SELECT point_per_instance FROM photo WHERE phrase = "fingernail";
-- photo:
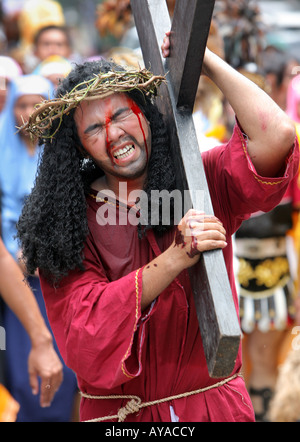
(45, 405)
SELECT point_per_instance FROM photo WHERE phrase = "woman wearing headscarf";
(19, 157)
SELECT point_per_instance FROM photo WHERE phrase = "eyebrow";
(115, 115)
(92, 127)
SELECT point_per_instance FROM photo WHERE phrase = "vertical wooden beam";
(190, 29)
(216, 312)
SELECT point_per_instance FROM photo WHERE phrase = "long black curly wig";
(53, 225)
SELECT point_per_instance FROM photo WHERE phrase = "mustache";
(128, 139)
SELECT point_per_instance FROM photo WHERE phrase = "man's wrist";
(41, 337)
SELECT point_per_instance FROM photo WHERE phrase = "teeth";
(125, 152)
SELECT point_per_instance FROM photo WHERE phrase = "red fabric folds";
(114, 348)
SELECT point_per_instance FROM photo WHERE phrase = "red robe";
(114, 348)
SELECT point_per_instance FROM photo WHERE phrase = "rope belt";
(135, 403)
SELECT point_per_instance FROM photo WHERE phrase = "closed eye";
(92, 127)
(118, 116)
(121, 114)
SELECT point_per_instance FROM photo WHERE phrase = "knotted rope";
(135, 403)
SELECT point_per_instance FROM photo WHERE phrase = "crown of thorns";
(100, 86)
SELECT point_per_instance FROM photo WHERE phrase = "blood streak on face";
(137, 111)
(107, 126)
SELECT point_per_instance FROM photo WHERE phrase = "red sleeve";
(98, 325)
(235, 187)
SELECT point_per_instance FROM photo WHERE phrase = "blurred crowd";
(37, 50)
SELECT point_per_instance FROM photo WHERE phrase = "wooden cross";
(216, 312)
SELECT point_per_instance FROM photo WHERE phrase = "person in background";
(267, 269)
(266, 281)
(37, 14)
(9, 69)
(55, 68)
(30, 16)
(43, 360)
(19, 158)
(52, 40)
(285, 404)
(279, 69)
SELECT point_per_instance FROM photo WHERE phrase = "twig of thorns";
(100, 86)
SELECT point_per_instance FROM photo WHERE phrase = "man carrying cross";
(118, 294)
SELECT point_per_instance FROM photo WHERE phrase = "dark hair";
(41, 31)
(53, 224)
(275, 62)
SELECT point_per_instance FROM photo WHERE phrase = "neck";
(125, 190)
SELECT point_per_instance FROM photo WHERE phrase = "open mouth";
(124, 152)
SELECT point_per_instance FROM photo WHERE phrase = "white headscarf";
(9, 68)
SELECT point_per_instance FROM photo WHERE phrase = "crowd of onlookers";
(36, 54)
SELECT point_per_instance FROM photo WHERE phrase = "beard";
(134, 169)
